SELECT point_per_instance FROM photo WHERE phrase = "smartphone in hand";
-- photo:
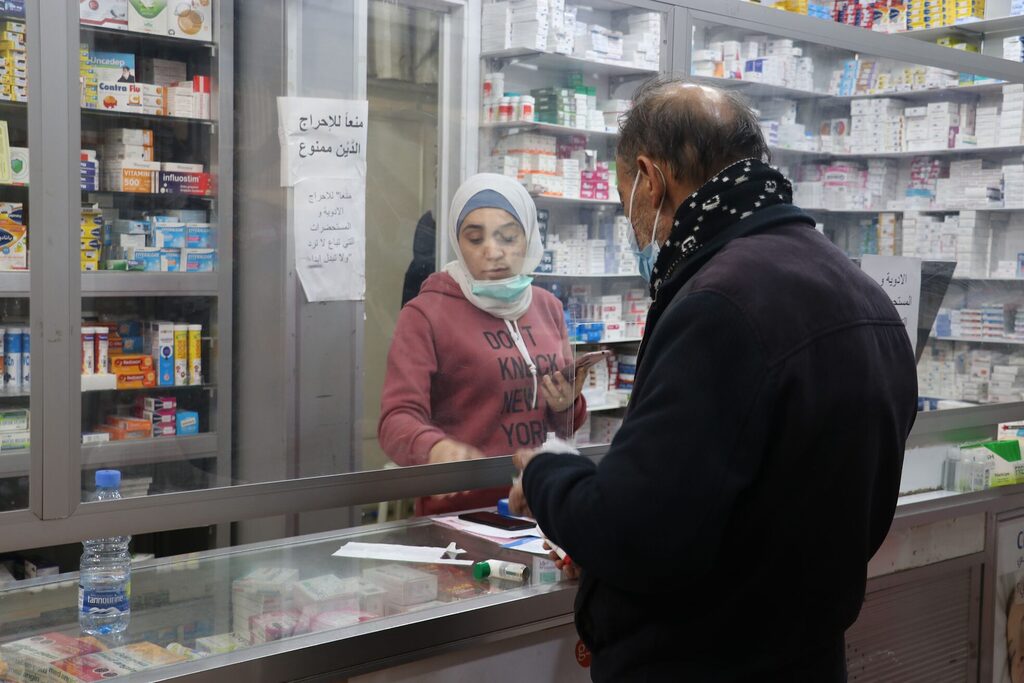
(583, 363)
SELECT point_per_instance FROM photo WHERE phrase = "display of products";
(552, 26)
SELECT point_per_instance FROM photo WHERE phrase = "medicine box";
(106, 13)
(16, 420)
(148, 16)
(199, 260)
(162, 336)
(185, 183)
(404, 585)
(187, 422)
(14, 441)
(170, 260)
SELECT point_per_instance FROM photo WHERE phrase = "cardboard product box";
(199, 260)
(137, 380)
(192, 19)
(185, 183)
(148, 16)
(187, 422)
(105, 13)
(132, 176)
(13, 237)
(113, 66)
(142, 98)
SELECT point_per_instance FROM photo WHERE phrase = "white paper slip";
(528, 545)
(486, 531)
(402, 553)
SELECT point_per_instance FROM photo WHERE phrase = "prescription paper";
(329, 226)
(402, 553)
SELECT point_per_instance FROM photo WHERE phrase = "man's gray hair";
(697, 129)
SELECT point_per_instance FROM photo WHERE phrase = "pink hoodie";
(453, 371)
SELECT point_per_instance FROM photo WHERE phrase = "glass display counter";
(210, 613)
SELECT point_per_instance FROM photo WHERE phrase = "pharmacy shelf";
(149, 451)
(127, 284)
(754, 89)
(560, 276)
(981, 340)
(148, 38)
(515, 126)
(548, 61)
(546, 200)
(176, 387)
(14, 284)
(958, 151)
(930, 93)
(625, 340)
(15, 463)
(852, 212)
(100, 114)
(151, 195)
(819, 209)
(982, 26)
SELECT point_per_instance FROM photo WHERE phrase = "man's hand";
(450, 450)
(517, 504)
(570, 570)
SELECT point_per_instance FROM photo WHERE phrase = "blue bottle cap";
(503, 507)
(108, 479)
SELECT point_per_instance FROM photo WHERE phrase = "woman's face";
(493, 244)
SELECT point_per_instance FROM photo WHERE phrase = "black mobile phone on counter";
(497, 521)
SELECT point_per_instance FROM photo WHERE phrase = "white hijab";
(526, 211)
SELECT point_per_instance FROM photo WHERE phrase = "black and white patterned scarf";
(735, 193)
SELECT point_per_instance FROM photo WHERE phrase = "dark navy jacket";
(725, 535)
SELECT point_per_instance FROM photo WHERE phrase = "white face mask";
(648, 256)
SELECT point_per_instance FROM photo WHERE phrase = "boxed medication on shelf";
(13, 237)
(104, 13)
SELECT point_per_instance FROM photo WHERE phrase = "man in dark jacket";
(725, 535)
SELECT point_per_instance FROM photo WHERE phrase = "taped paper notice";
(321, 138)
(329, 217)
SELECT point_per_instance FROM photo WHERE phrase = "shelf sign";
(900, 277)
(321, 138)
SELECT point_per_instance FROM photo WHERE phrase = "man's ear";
(655, 185)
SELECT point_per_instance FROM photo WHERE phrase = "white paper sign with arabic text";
(329, 215)
(900, 277)
(321, 138)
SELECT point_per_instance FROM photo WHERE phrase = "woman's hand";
(450, 450)
(558, 393)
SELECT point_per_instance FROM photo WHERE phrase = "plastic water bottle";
(105, 580)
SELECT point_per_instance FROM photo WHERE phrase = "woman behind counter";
(472, 368)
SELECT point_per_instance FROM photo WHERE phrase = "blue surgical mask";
(506, 289)
(648, 256)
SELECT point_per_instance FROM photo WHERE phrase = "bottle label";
(92, 600)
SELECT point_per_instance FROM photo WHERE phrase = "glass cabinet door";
(15, 462)
(155, 254)
(553, 90)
